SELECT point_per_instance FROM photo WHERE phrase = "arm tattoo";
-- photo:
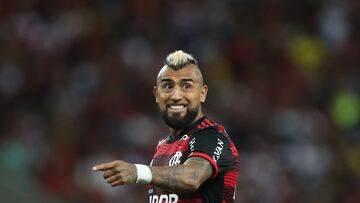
(185, 177)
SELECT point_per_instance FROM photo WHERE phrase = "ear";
(203, 93)
(155, 92)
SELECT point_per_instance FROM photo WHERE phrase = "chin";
(178, 121)
(177, 116)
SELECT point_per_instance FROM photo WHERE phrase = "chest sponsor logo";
(166, 198)
(175, 160)
(218, 150)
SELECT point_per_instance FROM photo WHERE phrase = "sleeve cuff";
(207, 157)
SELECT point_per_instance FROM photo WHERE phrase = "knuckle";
(106, 175)
(118, 169)
(119, 176)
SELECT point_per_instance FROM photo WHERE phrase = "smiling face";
(179, 94)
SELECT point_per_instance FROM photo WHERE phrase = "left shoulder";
(207, 126)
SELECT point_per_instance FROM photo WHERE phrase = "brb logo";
(170, 198)
(175, 160)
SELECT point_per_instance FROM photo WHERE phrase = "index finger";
(104, 166)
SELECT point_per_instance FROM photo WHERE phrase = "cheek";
(161, 101)
(194, 100)
(161, 104)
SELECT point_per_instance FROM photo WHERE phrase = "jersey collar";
(187, 129)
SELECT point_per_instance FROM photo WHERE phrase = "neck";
(176, 132)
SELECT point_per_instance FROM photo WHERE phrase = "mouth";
(176, 108)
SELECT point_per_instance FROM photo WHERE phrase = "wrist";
(144, 175)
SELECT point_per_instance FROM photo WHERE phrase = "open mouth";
(176, 108)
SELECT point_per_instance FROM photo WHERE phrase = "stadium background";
(76, 78)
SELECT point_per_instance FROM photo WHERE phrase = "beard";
(177, 122)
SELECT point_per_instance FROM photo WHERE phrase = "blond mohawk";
(179, 59)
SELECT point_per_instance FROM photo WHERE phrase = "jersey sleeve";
(212, 146)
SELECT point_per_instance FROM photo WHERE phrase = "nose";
(176, 94)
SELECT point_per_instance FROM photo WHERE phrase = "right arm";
(180, 178)
(184, 177)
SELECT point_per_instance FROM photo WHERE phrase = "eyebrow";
(188, 80)
(183, 80)
(165, 80)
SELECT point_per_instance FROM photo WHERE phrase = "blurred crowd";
(76, 80)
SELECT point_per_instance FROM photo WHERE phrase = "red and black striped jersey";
(206, 139)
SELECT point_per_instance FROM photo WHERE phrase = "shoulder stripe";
(209, 122)
(231, 178)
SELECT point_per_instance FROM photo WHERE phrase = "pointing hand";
(117, 172)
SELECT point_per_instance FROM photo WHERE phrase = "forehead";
(188, 72)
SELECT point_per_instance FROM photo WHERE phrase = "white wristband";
(144, 175)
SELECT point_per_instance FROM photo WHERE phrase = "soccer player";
(197, 161)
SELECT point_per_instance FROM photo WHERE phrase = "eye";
(187, 86)
(166, 86)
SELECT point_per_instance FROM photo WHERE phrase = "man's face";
(179, 95)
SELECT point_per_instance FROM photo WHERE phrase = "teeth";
(176, 106)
